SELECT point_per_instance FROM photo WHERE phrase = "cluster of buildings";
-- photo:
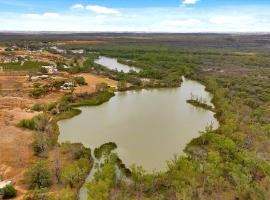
(50, 69)
(60, 51)
(12, 59)
(77, 51)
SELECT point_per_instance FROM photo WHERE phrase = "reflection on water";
(112, 63)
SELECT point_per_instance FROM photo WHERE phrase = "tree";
(74, 173)
(38, 176)
(40, 145)
(71, 175)
(9, 192)
(66, 194)
(104, 179)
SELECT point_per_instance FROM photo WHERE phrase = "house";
(77, 51)
(60, 51)
(3, 184)
(51, 69)
(67, 86)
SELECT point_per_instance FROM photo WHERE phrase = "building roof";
(4, 184)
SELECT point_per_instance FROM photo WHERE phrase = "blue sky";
(136, 15)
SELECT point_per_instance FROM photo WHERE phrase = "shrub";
(38, 176)
(37, 107)
(50, 106)
(54, 111)
(80, 80)
(40, 145)
(27, 123)
(9, 192)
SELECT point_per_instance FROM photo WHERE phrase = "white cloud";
(178, 19)
(231, 20)
(101, 9)
(77, 6)
(43, 16)
(184, 22)
(190, 1)
(96, 9)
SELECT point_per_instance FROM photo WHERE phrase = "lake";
(149, 126)
(113, 64)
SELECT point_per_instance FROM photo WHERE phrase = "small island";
(200, 102)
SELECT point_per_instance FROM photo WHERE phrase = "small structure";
(60, 51)
(77, 51)
(51, 69)
(67, 86)
(3, 184)
(44, 76)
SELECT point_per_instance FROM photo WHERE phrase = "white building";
(67, 86)
(77, 51)
(51, 69)
(3, 184)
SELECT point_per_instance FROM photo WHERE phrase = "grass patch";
(95, 100)
(26, 66)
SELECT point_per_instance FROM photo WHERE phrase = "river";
(112, 64)
(149, 126)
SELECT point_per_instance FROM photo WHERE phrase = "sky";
(183, 16)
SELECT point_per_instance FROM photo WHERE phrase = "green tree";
(71, 175)
(40, 145)
(9, 192)
(38, 176)
(104, 180)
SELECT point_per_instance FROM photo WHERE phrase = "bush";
(9, 192)
(27, 123)
(38, 123)
(80, 80)
(40, 145)
(38, 176)
(37, 107)
(50, 107)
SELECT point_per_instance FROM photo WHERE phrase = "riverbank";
(71, 153)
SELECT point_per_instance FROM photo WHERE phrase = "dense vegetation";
(231, 162)
(228, 163)
(159, 67)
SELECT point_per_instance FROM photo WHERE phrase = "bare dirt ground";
(15, 144)
(92, 81)
(15, 147)
(16, 153)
